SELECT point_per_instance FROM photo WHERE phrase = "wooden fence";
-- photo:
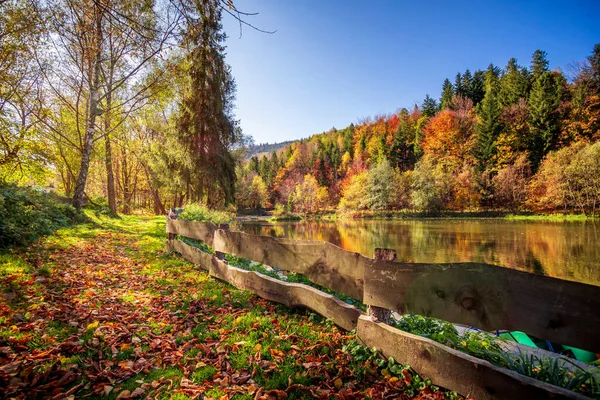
(484, 296)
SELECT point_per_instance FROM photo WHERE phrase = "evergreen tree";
(513, 84)
(429, 106)
(594, 70)
(458, 87)
(544, 117)
(206, 124)
(477, 89)
(489, 126)
(539, 65)
(466, 83)
(447, 94)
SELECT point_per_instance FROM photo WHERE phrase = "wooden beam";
(196, 230)
(451, 369)
(322, 262)
(490, 297)
(378, 313)
(190, 253)
(290, 294)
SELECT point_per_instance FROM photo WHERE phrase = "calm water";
(563, 250)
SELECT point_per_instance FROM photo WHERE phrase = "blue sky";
(332, 62)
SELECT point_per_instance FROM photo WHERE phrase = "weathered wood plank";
(196, 230)
(190, 253)
(490, 297)
(454, 370)
(322, 262)
(290, 294)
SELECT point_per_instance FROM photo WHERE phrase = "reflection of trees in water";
(564, 250)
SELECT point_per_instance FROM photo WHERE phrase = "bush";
(28, 213)
(201, 213)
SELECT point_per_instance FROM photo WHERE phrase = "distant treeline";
(512, 138)
(266, 148)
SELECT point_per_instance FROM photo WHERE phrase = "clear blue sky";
(332, 62)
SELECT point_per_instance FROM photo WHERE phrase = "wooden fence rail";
(480, 295)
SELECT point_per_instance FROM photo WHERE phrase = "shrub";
(28, 213)
(201, 213)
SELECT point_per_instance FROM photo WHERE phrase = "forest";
(131, 107)
(511, 139)
(119, 104)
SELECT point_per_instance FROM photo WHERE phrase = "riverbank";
(332, 215)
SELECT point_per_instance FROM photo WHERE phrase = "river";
(566, 250)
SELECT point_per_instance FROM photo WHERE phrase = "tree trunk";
(92, 112)
(110, 176)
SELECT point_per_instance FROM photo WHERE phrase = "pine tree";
(458, 87)
(489, 126)
(539, 65)
(544, 100)
(447, 94)
(513, 84)
(429, 106)
(466, 83)
(206, 124)
(477, 90)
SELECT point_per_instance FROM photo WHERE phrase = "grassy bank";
(100, 310)
(409, 214)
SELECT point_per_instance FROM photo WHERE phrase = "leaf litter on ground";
(100, 310)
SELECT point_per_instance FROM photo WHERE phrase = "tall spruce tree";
(466, 83)
(539, 65)
(513, 84)
(544, 117)
(429, 106)
(477, 89)
(447, 94)
(206, 124)
(489, 126)
(458, 86)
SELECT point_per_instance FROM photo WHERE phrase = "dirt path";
(102, 311)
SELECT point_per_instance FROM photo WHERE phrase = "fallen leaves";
(109, 322)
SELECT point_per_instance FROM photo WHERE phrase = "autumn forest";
(514, 138)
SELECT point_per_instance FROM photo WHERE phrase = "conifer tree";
(539, 65)
(513, 84)
(489, 126)
(458, 87)
(429, 106)
(466, 83)
(477, 88)
(544, 100)
(206, 124)
(447, 94)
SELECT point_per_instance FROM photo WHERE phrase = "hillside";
(515, 138)
(266, 148)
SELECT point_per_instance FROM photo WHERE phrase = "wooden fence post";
(171, 214)
(379, 313)
(218, 254)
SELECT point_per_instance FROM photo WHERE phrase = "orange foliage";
(449, 139)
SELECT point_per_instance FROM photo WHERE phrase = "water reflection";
(563, 250)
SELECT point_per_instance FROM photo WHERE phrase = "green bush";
(200, 213)
(28, 213)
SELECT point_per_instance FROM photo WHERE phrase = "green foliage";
(544, 101)
(426, 194)
(381, 186)
(429, 107)
(487, 347)
(201, 213)
(447, 94)
(489, 126)
(28, 213)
